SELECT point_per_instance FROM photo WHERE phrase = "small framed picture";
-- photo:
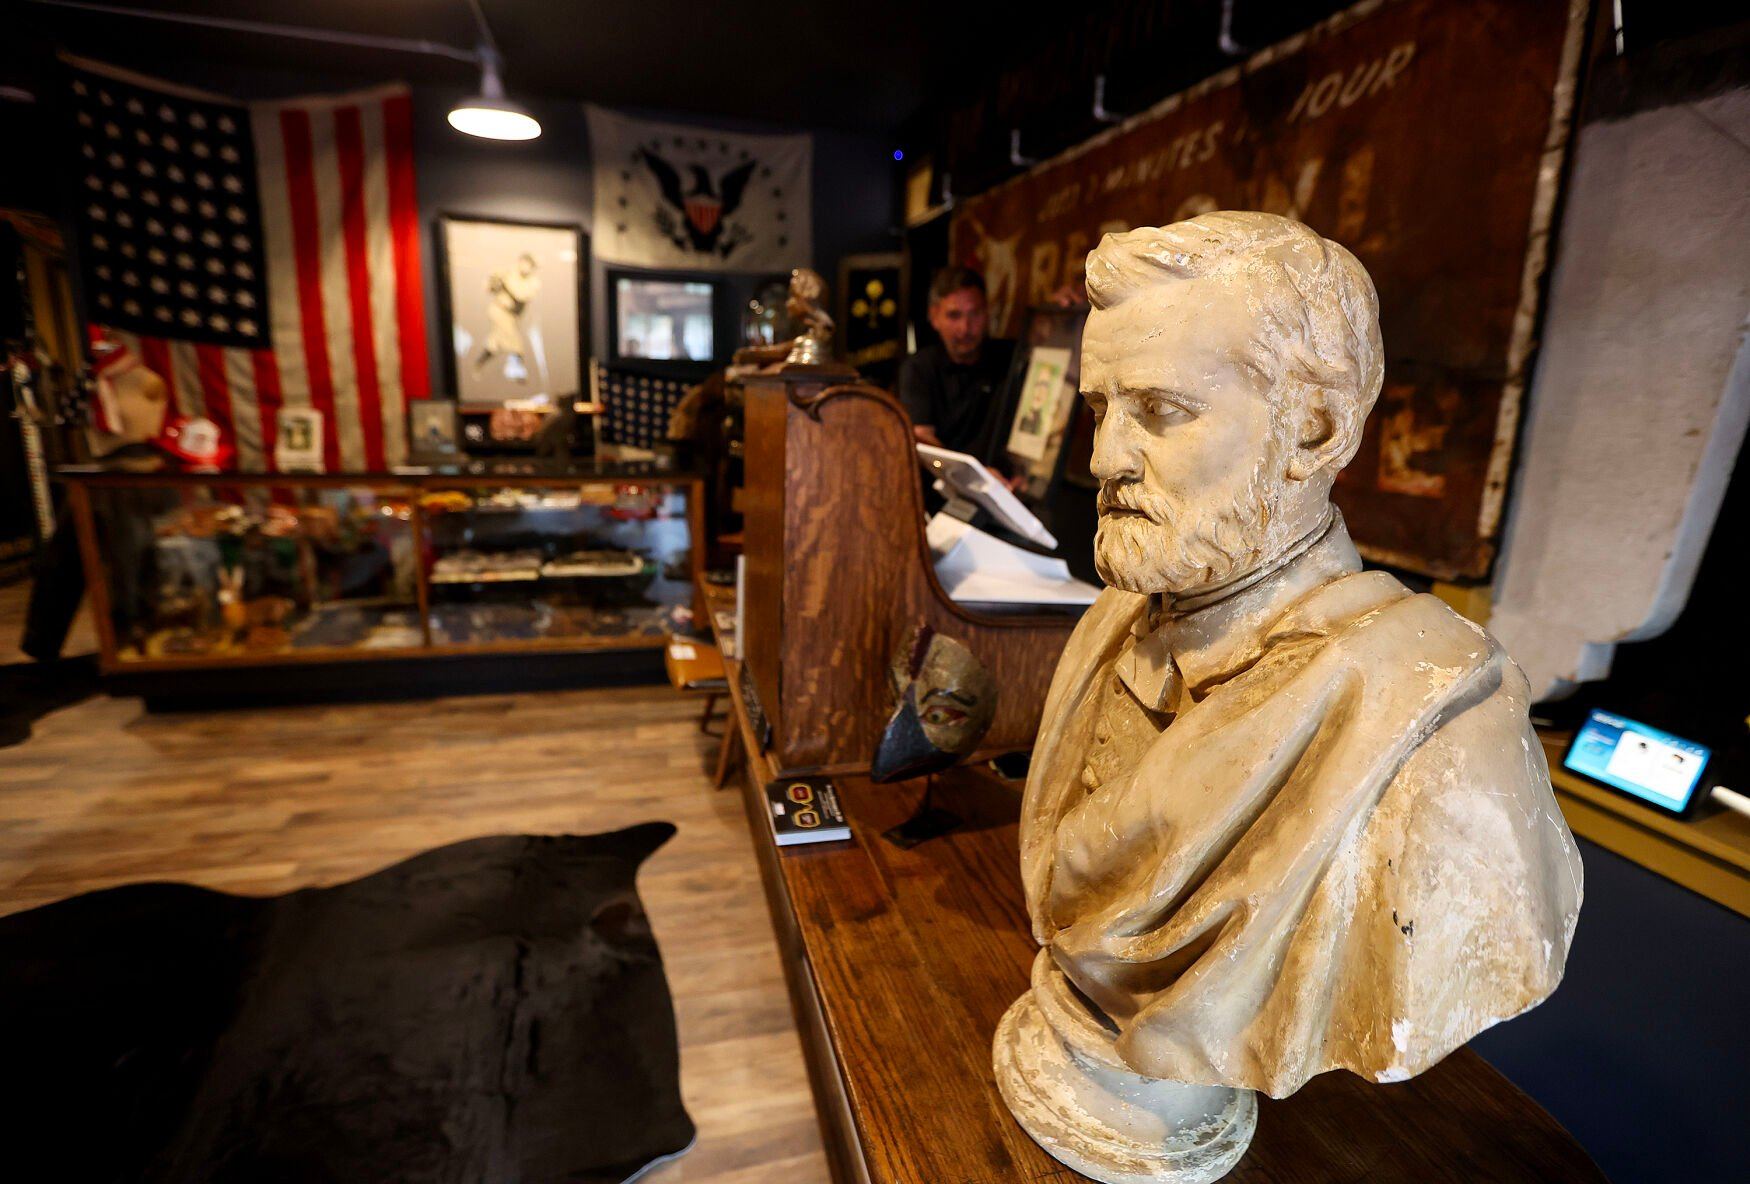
(431, 429)
(515, 298)
(1045, 415)
(872, 311)
(298, 441)
(1045, 403)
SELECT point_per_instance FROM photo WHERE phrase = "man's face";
(1191, 465)
(961, 320)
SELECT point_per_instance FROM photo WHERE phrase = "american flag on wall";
(257, 256)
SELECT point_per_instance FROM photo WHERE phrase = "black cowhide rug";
(489, 1011)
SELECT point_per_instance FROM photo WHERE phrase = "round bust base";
(1110, 1124)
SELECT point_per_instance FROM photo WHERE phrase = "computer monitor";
(677, 324)
(660, 319)
(965, 480)
(1652, 766)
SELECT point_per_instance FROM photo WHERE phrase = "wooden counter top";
(915, 955)
(901, 962)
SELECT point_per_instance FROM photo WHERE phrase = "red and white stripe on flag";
(345, 294)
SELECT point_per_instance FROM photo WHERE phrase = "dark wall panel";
(1642, 1051)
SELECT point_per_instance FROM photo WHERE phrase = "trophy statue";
(1284, 815)
(812, 345)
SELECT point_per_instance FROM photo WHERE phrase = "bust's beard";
(1167, 550)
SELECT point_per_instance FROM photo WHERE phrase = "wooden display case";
(213, 571)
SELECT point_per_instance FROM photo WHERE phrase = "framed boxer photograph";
(515, 297)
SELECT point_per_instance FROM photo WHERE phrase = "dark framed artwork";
(433, 429)
(872, 310)
(1044, 408)
(515, 302)
(678, 324)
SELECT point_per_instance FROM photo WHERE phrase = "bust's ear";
(1320, 437)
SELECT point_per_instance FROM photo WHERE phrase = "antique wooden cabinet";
(839, 574)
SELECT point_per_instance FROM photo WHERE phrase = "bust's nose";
(1117, 447)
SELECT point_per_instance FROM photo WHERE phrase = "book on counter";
(805, 810)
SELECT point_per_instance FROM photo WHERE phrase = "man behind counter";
(953, 389)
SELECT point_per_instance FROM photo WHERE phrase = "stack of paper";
(978, 568)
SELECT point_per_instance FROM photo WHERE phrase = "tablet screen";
(967, 476)
(1644, 762)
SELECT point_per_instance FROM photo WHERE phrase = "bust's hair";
(1318, 310)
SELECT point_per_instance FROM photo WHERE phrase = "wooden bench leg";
(706, 716)
(728, 754)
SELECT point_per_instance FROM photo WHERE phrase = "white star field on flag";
(638, 406)
(171, 239)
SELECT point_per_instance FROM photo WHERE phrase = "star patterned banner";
(672, 196)
(638, 407)
(171, 227)
(256, 257)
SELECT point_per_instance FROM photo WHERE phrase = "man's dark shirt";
(961, 402)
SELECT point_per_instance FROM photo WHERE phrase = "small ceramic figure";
(1284, 815)
(232, 613)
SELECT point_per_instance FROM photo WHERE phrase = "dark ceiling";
(865, 66)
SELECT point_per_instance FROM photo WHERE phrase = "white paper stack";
(978, 568)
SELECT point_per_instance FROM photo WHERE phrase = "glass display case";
(232, 569)
(580, 564)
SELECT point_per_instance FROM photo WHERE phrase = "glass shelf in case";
(589, 564)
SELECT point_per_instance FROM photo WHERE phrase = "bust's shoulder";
(1372, 623)
(1371, 599)
(1089, 653)
(1106, 623)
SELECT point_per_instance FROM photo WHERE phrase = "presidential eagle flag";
(256, 256)
(672, 196)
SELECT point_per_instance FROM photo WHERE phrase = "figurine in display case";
(1284, 815)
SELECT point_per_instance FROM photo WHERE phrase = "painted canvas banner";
(673, 196)
(1427, 136)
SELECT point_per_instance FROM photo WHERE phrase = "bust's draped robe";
(1306, 827)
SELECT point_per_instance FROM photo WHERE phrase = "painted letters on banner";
(668, 195)
(1424, 135)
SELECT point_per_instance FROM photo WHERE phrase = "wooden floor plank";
(265, 801)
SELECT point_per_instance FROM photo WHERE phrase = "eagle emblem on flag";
(703, 203)
(675, 196)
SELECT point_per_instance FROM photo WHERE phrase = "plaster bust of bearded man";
(1284, 816)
